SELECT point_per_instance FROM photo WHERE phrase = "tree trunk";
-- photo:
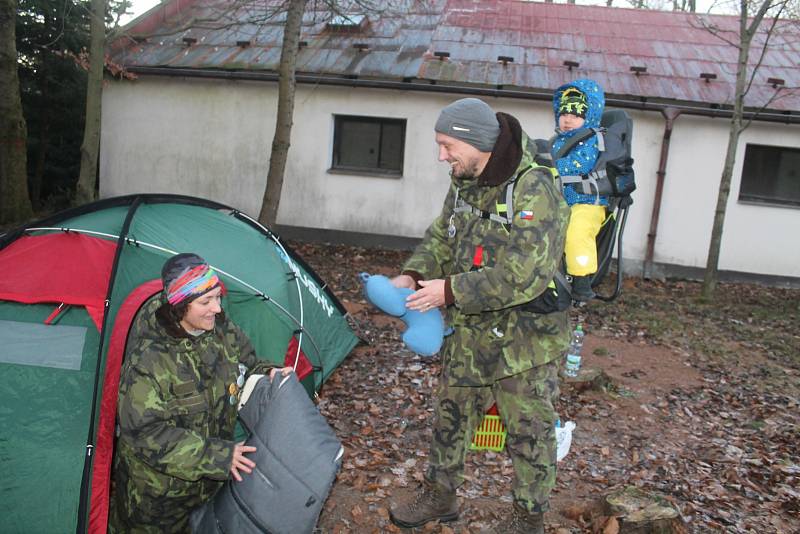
(85, 190)
(283, 121)
(711, 272)
(636, 512)
(45, 113)
(15, 204)
(745, 39)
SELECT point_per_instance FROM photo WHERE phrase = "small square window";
(368, 144)
(771, 175)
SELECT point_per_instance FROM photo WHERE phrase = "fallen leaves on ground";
(722, 449)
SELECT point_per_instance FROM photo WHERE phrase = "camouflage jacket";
(493, 338)
(175, 414)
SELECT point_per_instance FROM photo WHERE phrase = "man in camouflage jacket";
(177, 411)
(498, 351)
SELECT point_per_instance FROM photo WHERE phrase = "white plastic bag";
(563, 439)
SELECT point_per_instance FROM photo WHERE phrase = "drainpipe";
(670, 114)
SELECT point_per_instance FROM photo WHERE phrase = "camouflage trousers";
(525, 402)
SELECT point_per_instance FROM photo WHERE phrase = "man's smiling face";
(465, 160)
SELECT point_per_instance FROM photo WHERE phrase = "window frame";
(745, 177)
(337, 168)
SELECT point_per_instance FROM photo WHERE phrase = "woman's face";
(202, 311)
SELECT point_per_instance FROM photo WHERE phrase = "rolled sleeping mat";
(297, 457)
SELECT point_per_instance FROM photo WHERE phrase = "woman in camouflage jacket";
(184, 369)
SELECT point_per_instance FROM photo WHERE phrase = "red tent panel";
(304, 367)
(65, 267)
(104, 444)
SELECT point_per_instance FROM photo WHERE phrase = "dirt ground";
(701, 409)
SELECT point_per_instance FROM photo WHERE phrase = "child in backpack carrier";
(579, 105)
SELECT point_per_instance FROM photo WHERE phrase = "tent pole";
(83, 504)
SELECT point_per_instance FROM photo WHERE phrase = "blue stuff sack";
(424, 330)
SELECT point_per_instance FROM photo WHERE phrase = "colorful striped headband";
(192, 283)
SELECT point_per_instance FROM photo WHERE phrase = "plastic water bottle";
(574, 352)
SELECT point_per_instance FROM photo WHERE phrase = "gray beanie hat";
(472, 121)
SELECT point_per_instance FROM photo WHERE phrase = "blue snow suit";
(582, 158)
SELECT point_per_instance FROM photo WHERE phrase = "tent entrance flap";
(32, 344)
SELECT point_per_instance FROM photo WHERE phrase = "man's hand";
(240, 462)
(430, 296)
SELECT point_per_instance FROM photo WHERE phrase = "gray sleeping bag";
(297, 459)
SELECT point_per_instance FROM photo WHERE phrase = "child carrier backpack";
(612, 174)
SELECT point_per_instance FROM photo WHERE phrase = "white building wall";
(757, 238)
(211, 138)
(192, 137)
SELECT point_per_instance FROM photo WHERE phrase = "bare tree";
(15, 203)
(286, 90)
(751, 16)
(283, 121)
(254, 13)
(90, 149)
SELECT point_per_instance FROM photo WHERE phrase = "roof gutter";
(432, 86)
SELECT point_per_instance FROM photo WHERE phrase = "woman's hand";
(283, 371)
(403, 280)
(240, 462)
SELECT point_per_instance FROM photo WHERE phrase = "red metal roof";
(606, 42)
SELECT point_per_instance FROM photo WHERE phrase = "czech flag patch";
(526, 215)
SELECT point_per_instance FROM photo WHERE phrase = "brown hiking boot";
(431, 502)
(524, 522)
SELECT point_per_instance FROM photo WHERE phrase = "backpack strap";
(505, 211)
(582, 135)
(562, 279)
(601, 139)
(462, 206)
(541, 153)
(588, 182)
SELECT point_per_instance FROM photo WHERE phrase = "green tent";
(70, 288)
